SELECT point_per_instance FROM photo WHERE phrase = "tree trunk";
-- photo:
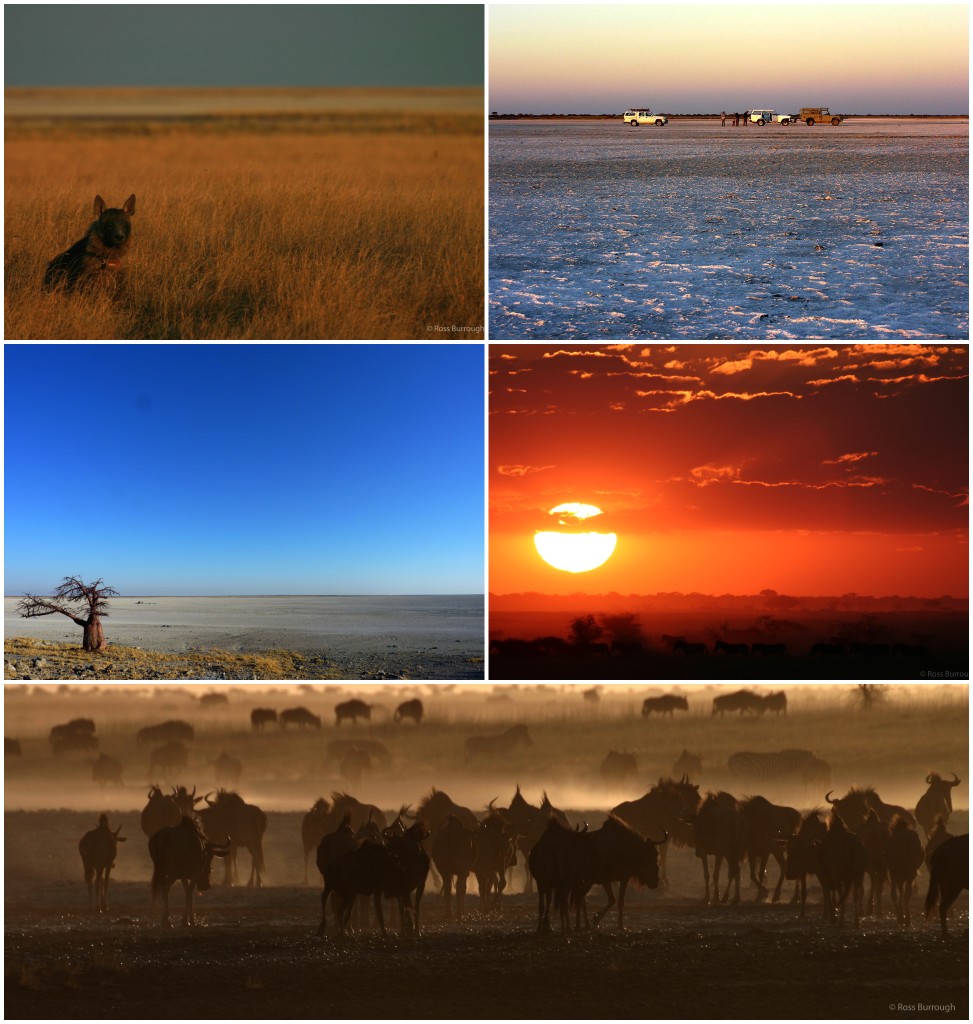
(94, 635)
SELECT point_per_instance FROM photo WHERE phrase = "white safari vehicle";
(763, 117)
(642, 115)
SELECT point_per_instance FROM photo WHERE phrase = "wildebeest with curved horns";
(665, 705)
(160, 812)
(409, 709)
(936, 802)
(325, 817)
(229, 814)
(498, 746)
(352, 709)
(620, 854)
(766, 822)
(853, 807)
(949, 874)
(494, 850)
(665, 808)
(182, 853)
(98, 848)
(529, 823)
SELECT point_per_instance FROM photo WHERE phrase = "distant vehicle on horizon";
(763, 117)
(819, 115)
(642, 115)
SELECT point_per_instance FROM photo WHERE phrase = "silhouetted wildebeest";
(730, 650)
(667, 704)
(213, 700)
(494, 849)
(939, 834)
(97, 258)
(802, 853)
(332, 846)
(175, 730)
(592, 696)
(406, 875)
(453, 854)
(741, 700)
(106, 769)
(229, 814)
(776, 702)
(769, 650)
(498, 746)
(690, 649)
(354, 764)
(227, 770)
(11, 747)
(854, 805)
(259, 717)
(562, 864)
(904, 861)
(620, 854)
(949, 874)
(181, 853)
(824, 650)
(936, 802)
(352, 709)
(169, 759)
(160, 812)
(874, 834)
(664, 808)
(185, 801)
(325, 817)
(74, 737)
(409, 709)
(766, 823)
(720, 831)
(528, 822)
(618, 766)
(436, 806)
(97, 849)
(300, 717)
(842, 861)
(690, 765)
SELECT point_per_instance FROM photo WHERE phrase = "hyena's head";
(113, 226)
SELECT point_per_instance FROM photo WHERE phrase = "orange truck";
(818, 115)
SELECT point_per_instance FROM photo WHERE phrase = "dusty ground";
(255, 954)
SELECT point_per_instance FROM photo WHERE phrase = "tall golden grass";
(313, 234)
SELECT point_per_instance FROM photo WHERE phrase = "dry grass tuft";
(241, 234)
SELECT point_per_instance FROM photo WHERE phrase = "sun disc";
(573, 550)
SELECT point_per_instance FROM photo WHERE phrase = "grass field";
(254, 226)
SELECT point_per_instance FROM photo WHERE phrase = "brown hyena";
(97, 258)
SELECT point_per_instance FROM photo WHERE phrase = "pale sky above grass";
(700, 58)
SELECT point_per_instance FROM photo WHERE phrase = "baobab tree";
(83, 597)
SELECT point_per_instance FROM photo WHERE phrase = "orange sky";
(810, 470)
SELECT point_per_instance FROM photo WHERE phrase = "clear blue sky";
(245, 469)
(243, 44)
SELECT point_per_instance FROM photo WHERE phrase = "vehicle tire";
(810, 122)
(836, 121)
(634, 123)
(786, 120)
(760, 121)
(659, 123)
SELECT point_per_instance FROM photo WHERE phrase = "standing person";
(723, 119)
(746, 119)
(736, 120)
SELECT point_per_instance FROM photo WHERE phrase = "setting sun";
(569, 549)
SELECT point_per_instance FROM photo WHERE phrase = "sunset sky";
(701, 58)
(809, 470)
(244, 469)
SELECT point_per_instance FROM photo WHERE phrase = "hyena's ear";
(129, 206)
(99, 206)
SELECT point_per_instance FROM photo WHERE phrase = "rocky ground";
(30, 659)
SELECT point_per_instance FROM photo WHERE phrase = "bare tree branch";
(73, 590)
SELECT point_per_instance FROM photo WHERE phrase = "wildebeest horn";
(956, 777)
(827, 797)
(929, 779)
